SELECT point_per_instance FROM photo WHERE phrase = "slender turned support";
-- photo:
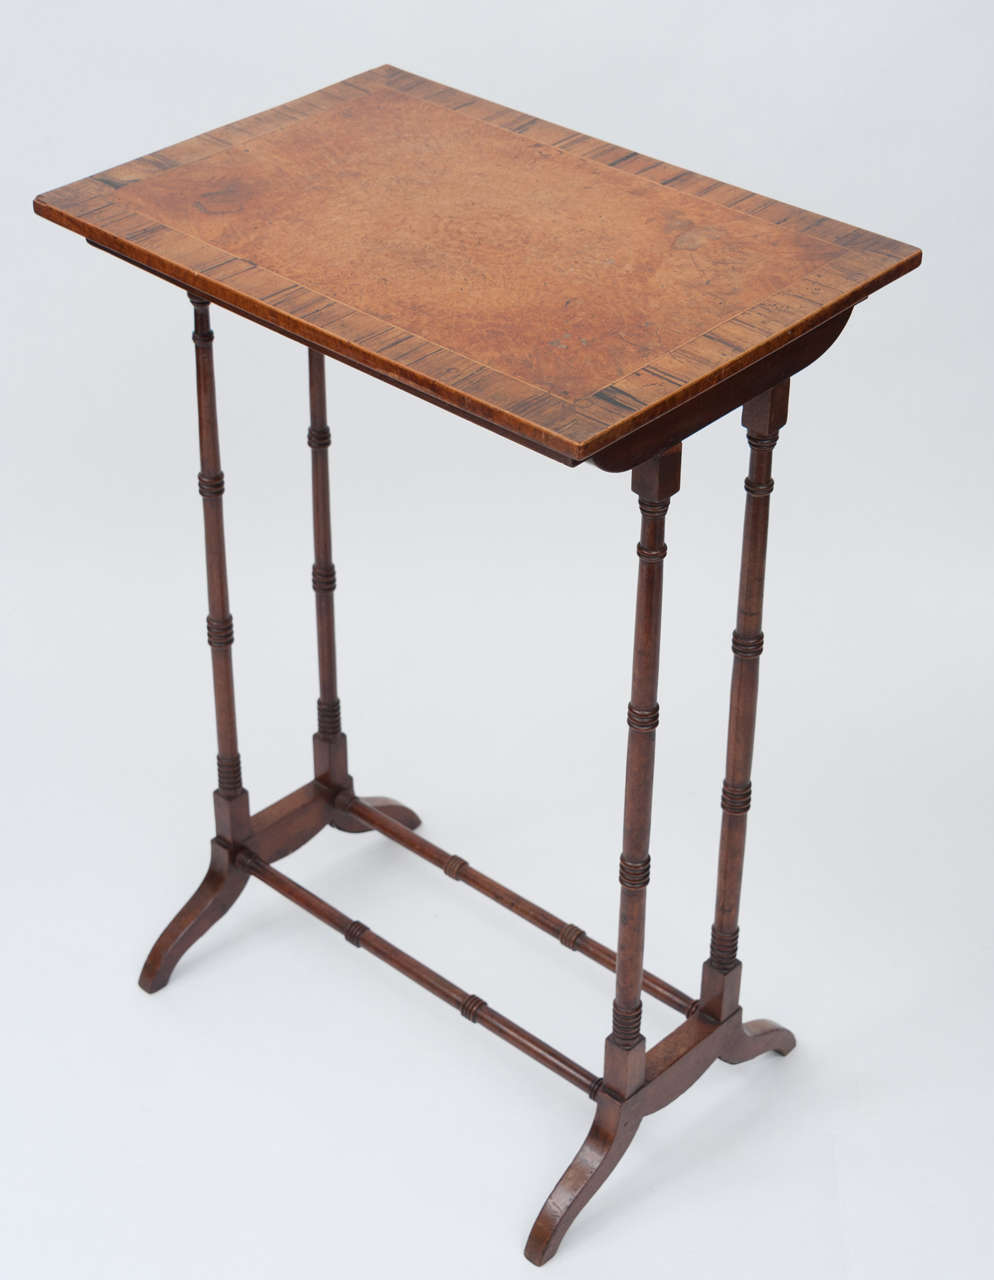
(231, 799)
(331, 767)
(624, 1060)
(330, 764)
(637, 1083)
(289, 823)
(762, 417)
(634, 1083)
(224, 881)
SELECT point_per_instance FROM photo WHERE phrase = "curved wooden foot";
(756, 1037)
(342, 820)
(222, 884)
(609, 1138)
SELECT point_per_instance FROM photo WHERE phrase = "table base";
(636, 1080)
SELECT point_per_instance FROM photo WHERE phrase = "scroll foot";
(222, 884)
(342, 820)
(610, 1136)
(759, 1036)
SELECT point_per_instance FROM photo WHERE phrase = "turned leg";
(762, 417)
(615, 1124)
(330, 750)
(224, 880)
(624, 1064)
(330, 762)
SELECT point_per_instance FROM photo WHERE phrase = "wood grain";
(558, 288)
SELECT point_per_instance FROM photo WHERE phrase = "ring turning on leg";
(762, 417)
(615, 1124)
(330, 752)
(290, 822)
(223, 882)
(654, 482)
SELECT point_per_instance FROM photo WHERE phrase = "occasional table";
(583, 300)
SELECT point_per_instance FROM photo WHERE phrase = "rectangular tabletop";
(555, 287)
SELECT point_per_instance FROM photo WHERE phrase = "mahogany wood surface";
(638, 1082)
(284, 826)
(655, 483)
(556, 287)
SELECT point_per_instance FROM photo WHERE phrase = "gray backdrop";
(287, 1107)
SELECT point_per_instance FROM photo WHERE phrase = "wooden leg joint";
(720, 986)
(668, 1070)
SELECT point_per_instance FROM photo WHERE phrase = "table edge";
(545, 439)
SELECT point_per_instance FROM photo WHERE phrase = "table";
(579, 298)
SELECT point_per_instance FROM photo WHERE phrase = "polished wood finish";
(762, 417)
(638, 1083)
(223, 882)
(231, 800)
(588, 302)
(690, 416)
(654, 482)
(671, 1067)
(548, 284)
(285, 826)
(330, 752)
